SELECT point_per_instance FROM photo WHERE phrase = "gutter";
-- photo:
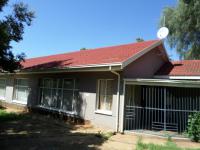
(118, 98)
(61, 70)
(164, 82)
(182, 77)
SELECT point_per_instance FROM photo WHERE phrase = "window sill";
(19, 102)
(104, 112)
(58, 110)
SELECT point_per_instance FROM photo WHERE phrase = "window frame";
(62, 90)
(40, 95)
(4, 97)
(14, 90)
(73, 89)
(98, 110)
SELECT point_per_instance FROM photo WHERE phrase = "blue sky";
(67, 25)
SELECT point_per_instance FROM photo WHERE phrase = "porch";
(159, 105)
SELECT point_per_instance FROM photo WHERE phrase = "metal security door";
(159, 108)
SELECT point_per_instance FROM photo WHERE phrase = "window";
(21, 91)
(105, 94)
(58, 94)
(2, 89)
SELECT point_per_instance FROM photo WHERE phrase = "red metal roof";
(181, 68)
(106, 55)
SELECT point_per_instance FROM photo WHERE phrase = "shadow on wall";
(87, 84)
(79, 105)
(33, 131)
(33, 99)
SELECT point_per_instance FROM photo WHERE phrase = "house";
(123, 88)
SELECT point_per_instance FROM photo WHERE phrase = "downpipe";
(118, 98)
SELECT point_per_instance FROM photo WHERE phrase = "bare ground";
(36, 132)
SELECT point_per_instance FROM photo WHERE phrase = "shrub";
(193, 128)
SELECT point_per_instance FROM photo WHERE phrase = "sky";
(62, 26)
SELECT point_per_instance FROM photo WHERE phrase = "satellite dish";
(162, 32)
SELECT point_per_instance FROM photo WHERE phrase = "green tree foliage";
(139, 39)
(193, 128)
(11, 30)
(83, 48)
(183, 22)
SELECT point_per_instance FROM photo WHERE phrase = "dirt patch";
(15, 110)
(41, 132)
(187, 144)
(35, 131)
(129, 141)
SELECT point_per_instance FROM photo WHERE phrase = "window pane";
(2, 88)
(54, 98)
(109, 94)
(22, 82)
(22, 94)
(55, 81)
(59, 99)
(46, 97)
(102, 86)
(59, 83)
(102, 102)
(76, 95)
(47, 83)
(41, 83)
(68, 83)
(21, 90)
(109, 87)
(67, 100)
(105, 94)
(2, 82)
(2, 91)
(108, 105)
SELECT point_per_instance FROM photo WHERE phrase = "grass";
(104, 135)
(9, 116)
(170, 145)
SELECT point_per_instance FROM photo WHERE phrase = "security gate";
(159, 108)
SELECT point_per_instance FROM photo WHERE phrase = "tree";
(12, 29)
(139, 39)
(83, 48)
(183, 22)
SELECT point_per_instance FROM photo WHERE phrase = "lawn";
(9, 116)
(168, 146)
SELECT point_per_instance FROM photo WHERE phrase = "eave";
(164, 82)
(178, 77)
(99, 68)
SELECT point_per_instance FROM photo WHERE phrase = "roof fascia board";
(141, 53)
(163, 82)
(177, 77)
(165, 51)
(56, 70)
